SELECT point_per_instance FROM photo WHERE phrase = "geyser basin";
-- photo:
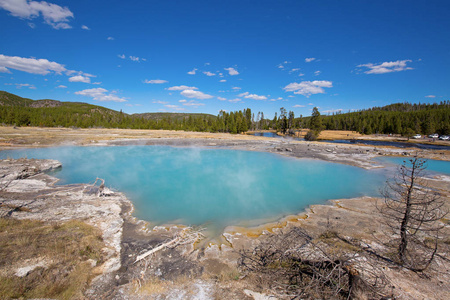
(209, 186)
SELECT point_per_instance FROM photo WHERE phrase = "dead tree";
(294, 264)
(412, 212)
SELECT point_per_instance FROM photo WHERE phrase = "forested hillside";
(400, 118)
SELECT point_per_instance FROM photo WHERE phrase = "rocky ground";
(174, 262)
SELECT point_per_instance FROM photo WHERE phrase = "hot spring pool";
(212, 187)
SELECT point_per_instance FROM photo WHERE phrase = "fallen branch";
(185, 236)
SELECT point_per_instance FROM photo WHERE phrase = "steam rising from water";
(209, 186)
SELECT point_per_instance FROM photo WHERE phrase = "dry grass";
(338, 135)
(65, 250)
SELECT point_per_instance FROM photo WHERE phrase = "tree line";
(400, 118)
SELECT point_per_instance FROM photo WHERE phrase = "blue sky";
(204, 56)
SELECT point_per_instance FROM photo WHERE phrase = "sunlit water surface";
(210, 187)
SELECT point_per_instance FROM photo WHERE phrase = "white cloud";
(195, 94)
(132, 58)
(236, 88)
(182, 88)
(100, 94)
(30, 65)
(294, 70)
(193, 103)
(155, 81)
(308, 88)
(386, 67)
(192, 72)
(223, 80)
(174, 107)
(309, 59)
(160, 102)
(80, 78)
(207, 73)
(182, 101)
(317, 73)
(255, 97)
(61, 87)
(235, 100)
(82, 27)
(110, 38)
(247, 95)
(232, 71)
(277, 99)
(54, 15)
(21, 85)
(298, 105)
(430, 96)
(222, 98)
(4, 70)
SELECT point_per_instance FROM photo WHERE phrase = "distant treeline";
(401, 118)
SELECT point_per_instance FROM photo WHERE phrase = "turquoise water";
(209, 186)
(432, 166)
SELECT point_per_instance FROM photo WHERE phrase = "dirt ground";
(189, 268)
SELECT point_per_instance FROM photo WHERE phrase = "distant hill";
(15, 110)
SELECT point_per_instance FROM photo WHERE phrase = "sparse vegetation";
(64, 257)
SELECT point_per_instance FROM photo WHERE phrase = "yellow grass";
(64, 250)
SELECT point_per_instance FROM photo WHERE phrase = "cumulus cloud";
(61, 87)
(160, 102)
(298, 105)
(430, 96)
(308, 88)
(30, 65)
(82, 27)
(309, 59)
(223, 80)
(236, 88)
(235, 100)
(247, 95)
(21, 85)
(132, 58)
(174, 107)
(222, 98)
(4, 70)
(54, 15)
(193, 103)
(100, 94)
(182, 101)
(195, 94)
(182, 88)
(386, 67)
(192, 72)
(155, 81)
(232, 71)
(207, 73)
(80, 78)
